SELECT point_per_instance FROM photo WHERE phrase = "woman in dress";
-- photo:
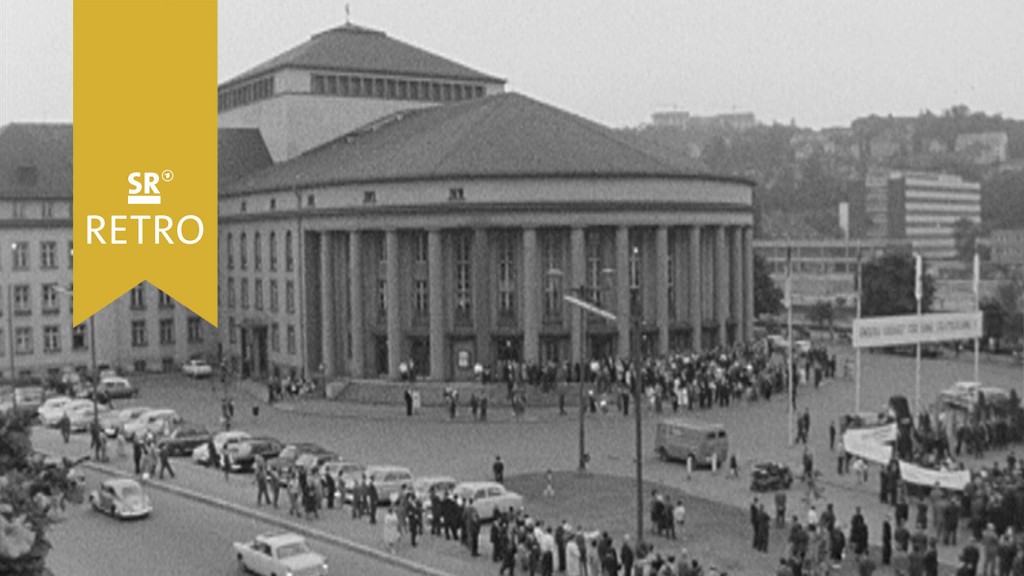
(572, 556)
(391, 530)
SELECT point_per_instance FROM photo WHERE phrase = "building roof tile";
(351, 48)
(506, 135)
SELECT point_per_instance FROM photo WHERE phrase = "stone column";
(355, 304)
(622, 312)
(328, 335)
(531, 297)
(696, 300)
(721, 283)
(661, 286)
(481, 295)
(576, 278)
(393, 303)
(736, 289)
(435, 293)
(748, 282)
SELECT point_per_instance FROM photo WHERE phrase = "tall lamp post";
(638, 395)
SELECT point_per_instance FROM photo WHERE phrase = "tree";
(965, 237)
(32, 491)
(888, 286)
(767, 296)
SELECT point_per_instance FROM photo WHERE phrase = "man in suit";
(372, 500)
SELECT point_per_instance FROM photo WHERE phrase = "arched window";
(243, 259)
(257, 252)
(231, 251)
(289, 258)
(273, 251)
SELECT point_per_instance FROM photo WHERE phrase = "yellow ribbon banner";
(145, 151)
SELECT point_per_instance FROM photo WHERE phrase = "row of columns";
(732, 255)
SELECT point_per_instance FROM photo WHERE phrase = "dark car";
(300, 453)
(185, 437)
(770, 476)
(242, 454)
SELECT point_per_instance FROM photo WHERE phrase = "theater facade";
(406, 209)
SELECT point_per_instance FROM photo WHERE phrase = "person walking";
(260, 476)
(163, 454)
(391, 530)
(137, 454)
(274, 482)
(65, 427)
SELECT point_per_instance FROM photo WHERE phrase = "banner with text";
(145, 152)
(897, 330)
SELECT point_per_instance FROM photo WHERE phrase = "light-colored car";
(389, 481)
(121, 498)
(83, 416)
(196, 368)
(113, 421)
(154, 422)
(201, 453)
(439, 484)
(52, 409)
(279, 555)
(488, 497)
(350, 472)
(114, 387)
(70, 408)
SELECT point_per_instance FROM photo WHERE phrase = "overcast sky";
(820, 62)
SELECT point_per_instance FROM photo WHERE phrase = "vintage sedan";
(183, 438)
(389, 481)
(121, 498)
(279, 555)
(113, 387)
(201, 453)
(242, 454)
(82, 417)
(152, 422)
(310, 454)
(52, 409)
(197, 368)
(488, 498)
(113, 422)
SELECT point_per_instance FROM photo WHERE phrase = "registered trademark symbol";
(167, 175)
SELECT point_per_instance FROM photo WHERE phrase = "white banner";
(871, 444)
(896, 330)
(950, 480)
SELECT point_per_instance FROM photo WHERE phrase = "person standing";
(165, 462)
(415, 519)
(408, 401)
(858, 533)
(260, 476)
(65, 427)
(626, 556)
(390, 530)
(372, 500)
(330, 488)
(886, 542)
(275, 485)
(498, 468)
(137, 454)
(831, 436)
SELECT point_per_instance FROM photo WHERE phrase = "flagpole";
(977, 307)
(860, 291)
(789, 335)
(918, 272)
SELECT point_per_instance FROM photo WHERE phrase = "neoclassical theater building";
(381, 204)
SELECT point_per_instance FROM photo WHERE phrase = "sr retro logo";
(143, 190)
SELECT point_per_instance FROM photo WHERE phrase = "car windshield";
(294, 549)
(130, 491)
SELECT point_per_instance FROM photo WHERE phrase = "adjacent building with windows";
(142, 331)
(416, 211)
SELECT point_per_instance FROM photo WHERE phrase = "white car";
(111, 422)
(201, 453)
(488, 497)
(279, 555)
(82, 416)
(51, 410)
(389, 481)
(197, 369)
(121, 498)
(153, 422)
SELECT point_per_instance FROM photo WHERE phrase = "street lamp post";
(638, 395)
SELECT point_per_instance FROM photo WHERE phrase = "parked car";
(52, 418)
(488, 498)
(52, 409)
(683, 438)
(154, 422)
(183, 438)
(201, 453)
(113, 387)
(439, 484)
(82, 417)
(278, 555)
(242, 454)
(28, 398)
(770, 476)
(197, 368)
(121, 498)
(389, 481)
(291, 454)
(113, 421)
(351, 472)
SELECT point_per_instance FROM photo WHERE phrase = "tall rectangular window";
(232, 330)
(164, 300)
(22, 300)
(273, 251)
(51, 339)
(231, 251)
(231, 292)
(257, 252)
(635, 299)
(23, 340)
(463, 278)
(243, 252)
(273, 295)
(421, 300)
(20, 255)
(167, 331)
(382, 300)
(289, 297)
(48, 255)
(195, 330)
(139, 337)
(51, 301)
(289, 257)
(244, 289)
(552, 261)
(670, 267)
(258, 293)
(78, 336)
(275, 337)
(506, 276)
(291, 339)
(138, 296)
(593, 242)
(421, 248)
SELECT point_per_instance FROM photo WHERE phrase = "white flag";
(918, 270)
(977, 274)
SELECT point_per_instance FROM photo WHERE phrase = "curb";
(350, 545)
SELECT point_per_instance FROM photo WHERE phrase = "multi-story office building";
(435, 218)
(143, 330)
